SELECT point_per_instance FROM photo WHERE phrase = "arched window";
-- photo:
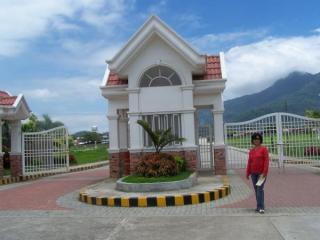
(159, 76)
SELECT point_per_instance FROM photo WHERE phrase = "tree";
(312, 113)
(35, 125)
(160, 138)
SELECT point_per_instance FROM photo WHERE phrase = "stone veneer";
(16, 165)
(119, 164)
(220, 161)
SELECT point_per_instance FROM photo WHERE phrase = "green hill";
(294, 94)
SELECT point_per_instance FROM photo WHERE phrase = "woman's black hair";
(256, 136)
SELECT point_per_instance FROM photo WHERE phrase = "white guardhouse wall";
(160, 99)
(117, 138)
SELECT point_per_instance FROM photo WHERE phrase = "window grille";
(163, 122)
(159, 76)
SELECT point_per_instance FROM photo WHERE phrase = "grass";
(140, 179)
(91, 155)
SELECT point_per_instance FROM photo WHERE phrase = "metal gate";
(291, 139)
(205, 143)
(45, 151)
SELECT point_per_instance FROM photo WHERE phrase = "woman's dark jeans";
(258, 190)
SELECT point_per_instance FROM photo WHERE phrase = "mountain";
(293, 94)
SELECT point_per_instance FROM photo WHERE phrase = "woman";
(258, 164)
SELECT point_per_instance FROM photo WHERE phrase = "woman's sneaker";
(257, 210)
(261, 211)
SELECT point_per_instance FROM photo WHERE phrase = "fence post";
(279, 140)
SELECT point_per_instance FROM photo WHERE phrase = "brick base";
(1, 166)
(220, 161)
(119, 164)
(16, 165)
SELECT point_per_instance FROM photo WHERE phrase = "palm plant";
(160, 138)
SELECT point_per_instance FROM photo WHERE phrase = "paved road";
(48, 209)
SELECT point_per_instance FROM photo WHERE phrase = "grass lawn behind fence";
(140, 179)
(90, 155)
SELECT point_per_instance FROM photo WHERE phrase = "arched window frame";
(168, 76)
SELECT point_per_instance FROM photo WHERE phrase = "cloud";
(42, 93)
(317, 30)
(23, 20)
(253, 67)
(212, 43)
(83, 121)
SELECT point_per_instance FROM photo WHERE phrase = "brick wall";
(220, 161)
(16, 165)
(1, 166)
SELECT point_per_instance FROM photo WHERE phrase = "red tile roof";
(6, 99)
(113, 80)
(212, 71)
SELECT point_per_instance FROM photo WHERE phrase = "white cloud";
(317, 30)
(255, 66)
(24, 20)
(67, 90)
(43, 94)
(210, 43)
(83, 121)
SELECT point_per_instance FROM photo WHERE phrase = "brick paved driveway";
(43, 194)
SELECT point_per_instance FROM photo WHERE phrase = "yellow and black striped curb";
(82, 168)
(157, 201)
(9, 180)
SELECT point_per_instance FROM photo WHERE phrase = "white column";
(218, 128)
(188, 130)
(16, 135)
(188, 122)
(136, 141)
(1, 136)
(123, 131)
(113, 133)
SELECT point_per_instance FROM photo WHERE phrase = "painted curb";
(157, 201)
(9, 180)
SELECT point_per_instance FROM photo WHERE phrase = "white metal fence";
(205, 143)
(291, 139)
(45, 151)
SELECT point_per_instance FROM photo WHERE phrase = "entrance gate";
(205, 143)
(45, 151)
(291, 139)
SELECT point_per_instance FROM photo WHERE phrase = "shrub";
(72, 159)
(156, 165)
(312, 151)
(181, 163)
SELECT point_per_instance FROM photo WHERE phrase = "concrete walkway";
(49, 209)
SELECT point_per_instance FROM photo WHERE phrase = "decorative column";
(114, 147)
(136, 141)
(219, 146)
(123, 142)
(16, 147)
(188, 124)
(1, 154)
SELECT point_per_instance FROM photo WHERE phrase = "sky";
(54, 51)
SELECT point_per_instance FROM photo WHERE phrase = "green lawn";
(92, 155)
(294, 144)
(139, 179)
